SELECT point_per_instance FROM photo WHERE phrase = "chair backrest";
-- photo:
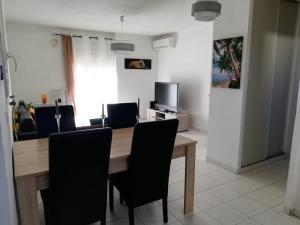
(150, 159)
(122, 115)
(78, 173)
(46, 122)
(98, 121)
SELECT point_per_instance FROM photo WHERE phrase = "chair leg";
(131, 215)
(111, 196)
(165, 209)
(121, 199)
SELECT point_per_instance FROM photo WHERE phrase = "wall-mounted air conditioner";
(163, 43)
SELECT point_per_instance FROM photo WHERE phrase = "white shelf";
(153, 115)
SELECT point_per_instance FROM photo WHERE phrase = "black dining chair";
(78, 175)
(47, 124)
(147, 177)
(98, 122)
(122, 115)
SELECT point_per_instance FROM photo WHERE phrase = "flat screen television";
(166, 96)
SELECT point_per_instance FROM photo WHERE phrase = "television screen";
(166, 96)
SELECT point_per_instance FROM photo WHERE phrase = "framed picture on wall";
(138, 64)
(227, 63)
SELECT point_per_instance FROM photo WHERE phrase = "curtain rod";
(80, 36)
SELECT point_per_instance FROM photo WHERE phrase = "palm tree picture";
(227, 60)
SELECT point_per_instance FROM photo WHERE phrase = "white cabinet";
(153, 115)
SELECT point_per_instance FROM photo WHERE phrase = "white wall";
(40, 64)
(292, 200)
(190, 65)
(41, 68)
(133, 84)
(227, 105)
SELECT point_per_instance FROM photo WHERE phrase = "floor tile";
(280, 187)
(224, 176)
(176, 191)
(120, 211)
(199, 219)
(224, 193)
(176, 208)
(177, 164)
(153, 216)
(268, 196)
(249, 222)
(124, 221)
(243, 186)
(270, 217)
(263, 178)
(176, 176)
(247, 206)
(279, 208)
(227, 215)
(148, 206)
(204, 182)
(205, 168)
(204, 200)
(175, 223)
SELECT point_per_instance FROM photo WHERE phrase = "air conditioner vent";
(163, 43)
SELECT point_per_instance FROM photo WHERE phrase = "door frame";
(8, 212)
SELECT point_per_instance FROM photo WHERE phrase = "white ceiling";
(148, 17)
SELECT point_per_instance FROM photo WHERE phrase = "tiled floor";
(221, 198)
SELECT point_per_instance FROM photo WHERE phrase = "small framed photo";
(138, 64)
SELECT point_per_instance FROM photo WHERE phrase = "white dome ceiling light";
(122, 46)
(206, 10)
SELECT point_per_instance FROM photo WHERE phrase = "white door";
(7, 200)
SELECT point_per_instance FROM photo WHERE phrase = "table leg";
(28, 204)
(190, 160)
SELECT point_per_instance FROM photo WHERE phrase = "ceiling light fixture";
(206, 10)
(122, 46)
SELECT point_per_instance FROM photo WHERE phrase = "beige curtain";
(69, 67)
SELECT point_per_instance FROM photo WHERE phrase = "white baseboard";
(247, 168)
(263, 163)
(222, 165)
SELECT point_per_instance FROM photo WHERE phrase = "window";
(95, 78)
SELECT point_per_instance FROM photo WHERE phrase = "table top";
(31, 157)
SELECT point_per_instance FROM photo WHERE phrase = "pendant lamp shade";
(122, 46)
(119, 46)
(206, 10)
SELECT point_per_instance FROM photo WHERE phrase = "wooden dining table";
(31, 169)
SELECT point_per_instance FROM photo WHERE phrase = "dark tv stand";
(155, 114)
